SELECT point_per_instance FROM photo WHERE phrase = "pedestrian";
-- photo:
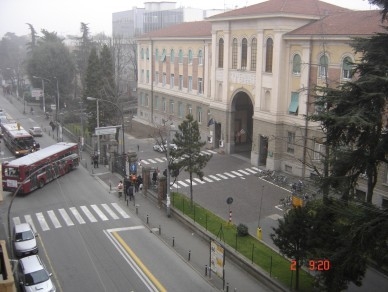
(138, 148)
(127, 183)
(154, 177)
(95, 160)
(139, 181)
(120, 188)
(130, 192)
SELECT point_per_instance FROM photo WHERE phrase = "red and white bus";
(18, 140)
(38, 168)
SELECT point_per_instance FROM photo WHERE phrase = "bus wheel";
(41, 183)
(70, 168)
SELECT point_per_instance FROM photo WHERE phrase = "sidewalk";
(186, 243)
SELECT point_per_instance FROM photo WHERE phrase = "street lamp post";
(57, 107)
(43, 79)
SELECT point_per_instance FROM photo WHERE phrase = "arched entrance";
(242, 123)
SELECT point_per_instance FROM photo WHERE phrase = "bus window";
(14, 172)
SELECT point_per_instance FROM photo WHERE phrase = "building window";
(146, 100)
(200, 86)
(156, 102)
(244, 54)
(180, 56)
(221, 53)
(347, 68)
(147, 54)
(142, 53)
(171, 106)
(290, 142)
(234, 54)
(190, 56)
(269, 56)
(141, 99)
(164, 106)
(180, 82)
(319, 150)
(156, 55)
(180, 109)
(142, 76)
(156, 78)
(148, 76)
(190, 87)
(253, 54)
(163, 56)
(323, 65)
(294, 104)
(172, 56)
(189, 109)
(200, 58)
(172, 81)
(164, 79)
(199, 115)
(296, 64)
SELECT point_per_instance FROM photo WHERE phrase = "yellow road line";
(158, 285)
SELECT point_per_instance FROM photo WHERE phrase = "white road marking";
(188, 180)
(255, 168)
(151, 160)
(229, 174)
(145, 162)
(77, 215)
(207, 179)
(244, 172)
(222, 176)
(66, 217)
(29, 220)
(42, 221)
(182, 183)
(88, 214)
(159, 160)
(110, 211)
(99, 213)
(54, 219)
(121, 211)
(16, 220)
(214, 177)
(236, 173)
(250, 170)
(198, 180)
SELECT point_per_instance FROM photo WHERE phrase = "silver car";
(33, 275)
(24, 240)
(36, 131)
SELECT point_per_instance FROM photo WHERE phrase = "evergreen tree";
(188, 156)
(93, 88)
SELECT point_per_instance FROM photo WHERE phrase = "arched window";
(269, 56)
(200, 57)
(296, 64)
(180, 56)
(253, 54)
(221, 53)
(172, 56)
(190, 56)
(323, 66)
(347, 68)
(234, 54)
(244, 53)
(142, 53)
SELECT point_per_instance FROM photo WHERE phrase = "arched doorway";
(242, 123)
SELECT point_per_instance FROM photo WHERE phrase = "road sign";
(106, 130)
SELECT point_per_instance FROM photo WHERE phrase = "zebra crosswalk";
(73, 215)
(149, 161)
(216, 177)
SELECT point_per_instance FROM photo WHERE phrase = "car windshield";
(26, 235)
(36, 277)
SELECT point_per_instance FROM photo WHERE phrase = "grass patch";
(258, 253)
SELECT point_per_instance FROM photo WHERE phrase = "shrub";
(242, 230)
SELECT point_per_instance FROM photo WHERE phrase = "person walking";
(120, 189)
(138, 148)
(95, 160)
(127, 183)
(130, 192)
(139, 181)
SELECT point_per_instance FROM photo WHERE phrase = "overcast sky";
(65, 16)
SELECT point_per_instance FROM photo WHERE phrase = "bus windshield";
(25, 142)
(11, 171)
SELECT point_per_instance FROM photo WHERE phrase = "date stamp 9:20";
(314, 265)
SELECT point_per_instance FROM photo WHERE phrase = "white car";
(36, 131)
(33, 275)
(162, 148)
(24, 240)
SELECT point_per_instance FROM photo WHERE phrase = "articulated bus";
(38, 168)
(18, 140)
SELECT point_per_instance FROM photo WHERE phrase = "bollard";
(189, 254)
(227, 287)
(147, 219)
(173, 241)
(205, 270)
(137, 209)
(160, 230)
(235, 289)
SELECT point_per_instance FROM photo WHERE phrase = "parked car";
(162, 148)
(33, 275)
(24, 240)
(36, 131)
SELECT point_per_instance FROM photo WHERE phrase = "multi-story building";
(247, 76)
(128, 24)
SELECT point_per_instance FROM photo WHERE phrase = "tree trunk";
(191, 189)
